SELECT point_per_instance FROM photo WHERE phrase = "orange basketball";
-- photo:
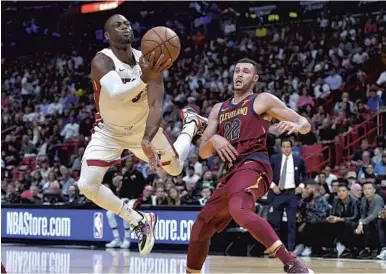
(161, 40)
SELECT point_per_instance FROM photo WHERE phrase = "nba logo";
(98, 225)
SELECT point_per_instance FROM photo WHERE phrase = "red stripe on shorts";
(101, 163)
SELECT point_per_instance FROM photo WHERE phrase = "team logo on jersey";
(98, 225)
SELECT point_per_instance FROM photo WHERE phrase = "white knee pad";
(174, 168)
(90, 180)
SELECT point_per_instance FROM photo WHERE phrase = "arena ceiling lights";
(100, 6)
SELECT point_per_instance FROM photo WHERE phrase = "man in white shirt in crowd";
(329, 176)
(193, 162)
(70, 130)
(289, 171)
(191, 178)
(335, 81)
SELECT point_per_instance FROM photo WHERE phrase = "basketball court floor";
(58, 259)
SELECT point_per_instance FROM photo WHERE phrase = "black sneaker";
(365, 254)
(333, 253)
(346, 254)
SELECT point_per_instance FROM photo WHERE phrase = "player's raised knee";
(88, 188)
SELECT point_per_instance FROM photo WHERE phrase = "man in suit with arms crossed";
(288, 173)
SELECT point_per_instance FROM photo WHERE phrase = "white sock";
(106, 199)
(127, 234)
(130, 215)
(182, 144)
(115, 233)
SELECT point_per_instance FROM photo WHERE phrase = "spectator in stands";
(160, 198)
(380, 166)
(66, 180)
(70, 130)
(53, 194)
(342, 171)
(374, 101)
(12, 196)
(37, 178)
(304, 99)
(334, 192)
(329, 176)
(371, 206)
(314, 209)
(206, 192)
(133, 181)
(344, 101)
(72, 197)
(342, 222)
(335, 81)
(323, 182)
(45, 169)
(32, 195)
(174, 197)
(358, 154)
(356, 191)
(146, 195)
(193, 162)
(78, 160)
(289, 172)
(27, 147)
(191, 178)
(208, 180)
(351, 178)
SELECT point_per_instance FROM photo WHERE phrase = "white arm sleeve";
(112, 83)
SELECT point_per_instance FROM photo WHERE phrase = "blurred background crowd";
(325, 62)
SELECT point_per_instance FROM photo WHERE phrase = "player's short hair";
(250, 61)
(108, 21)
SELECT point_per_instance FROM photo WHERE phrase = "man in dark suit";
(289, 171)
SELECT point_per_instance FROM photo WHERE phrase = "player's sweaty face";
(121, 31)
(243, 76)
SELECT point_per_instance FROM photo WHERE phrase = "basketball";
(162, 40)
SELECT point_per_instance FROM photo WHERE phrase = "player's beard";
(244, 88)
(128, 39)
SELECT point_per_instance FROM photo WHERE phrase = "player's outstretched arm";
(206, 148)
(155, 98)
(291, 121)
(103, 71)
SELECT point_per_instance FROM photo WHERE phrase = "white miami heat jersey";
(130, 115)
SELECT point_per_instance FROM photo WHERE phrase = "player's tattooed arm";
(290, 120)
(103, 71)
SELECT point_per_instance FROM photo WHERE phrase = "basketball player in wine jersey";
(128, 93)
(237, 131)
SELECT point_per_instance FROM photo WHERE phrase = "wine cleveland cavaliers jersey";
(242, 127)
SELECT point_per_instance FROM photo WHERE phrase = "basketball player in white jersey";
(128, 93)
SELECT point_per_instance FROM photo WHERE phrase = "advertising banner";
(173, 226)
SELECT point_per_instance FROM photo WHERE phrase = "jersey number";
(232, 129)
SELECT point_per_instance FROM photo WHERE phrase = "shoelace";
(138, 230)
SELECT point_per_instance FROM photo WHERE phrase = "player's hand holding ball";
(152, 69)
(224, 149)
(150, 152)
(160, 47)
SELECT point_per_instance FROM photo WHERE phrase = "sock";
(115, 233)
(182, 144)
(127, 234)
(130, 215)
